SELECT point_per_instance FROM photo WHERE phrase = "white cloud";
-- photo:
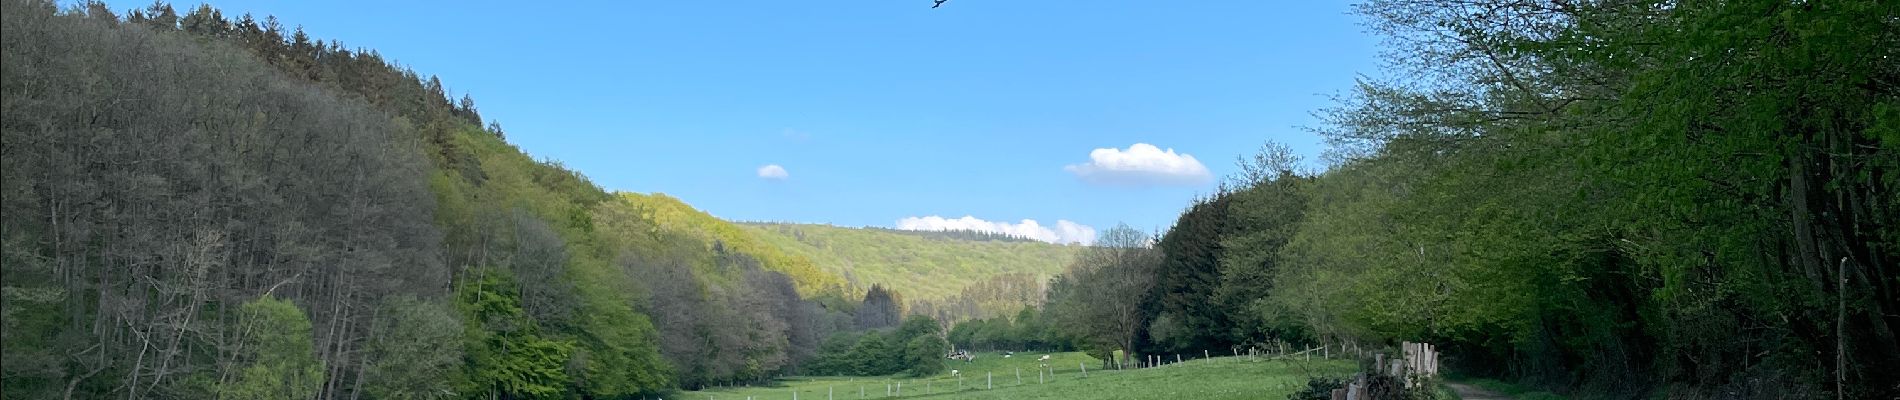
(1141, 164)
(1064, 232)
(773, 171)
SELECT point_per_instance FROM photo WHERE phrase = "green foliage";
(924, 355)
(1109, 305)
(1031, 329)
(621, 356)
(672, 214)
(916, 346)
(1609, 218)
(357, 188)
(918, 325)
(277, 361)
(506, 354)
(1190, 314)
(876, 354)
(835, 356)
(417, 351)
(881, 308)
(921, 265)
(244, 182)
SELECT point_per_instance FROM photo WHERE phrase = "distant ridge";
(952, 234)
(924, 266)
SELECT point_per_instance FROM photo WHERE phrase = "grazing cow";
(962, 355)
(1007, 355)
(956, 373)
(1045, 357)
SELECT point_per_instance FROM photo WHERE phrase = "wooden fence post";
(1840, 320)
(1085, 369)
(1019, 376)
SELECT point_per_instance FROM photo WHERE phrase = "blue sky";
(881, 110)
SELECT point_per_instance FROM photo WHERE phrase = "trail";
(1468, 392)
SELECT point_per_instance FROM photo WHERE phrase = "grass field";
(1213, 379)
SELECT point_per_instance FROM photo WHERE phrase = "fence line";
(1416, 363)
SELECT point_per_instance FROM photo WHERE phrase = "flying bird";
(939, 3)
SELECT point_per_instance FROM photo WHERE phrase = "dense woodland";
(934, 268)
(200, 206)
(1610, 199)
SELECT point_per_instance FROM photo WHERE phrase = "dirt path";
(1469, 392)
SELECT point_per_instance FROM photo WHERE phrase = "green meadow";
(991, 376)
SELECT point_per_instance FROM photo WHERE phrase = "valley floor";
(994, 377)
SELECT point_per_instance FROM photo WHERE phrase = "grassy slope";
(1216, 379)
(918, 266)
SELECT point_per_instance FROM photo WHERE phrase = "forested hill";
(671, 214)
(955, 275)
(1616, 200)
(204, 206)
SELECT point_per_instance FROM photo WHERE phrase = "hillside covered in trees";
(205, 206)
(1618, 200)
(1629, 199)
(951, 275)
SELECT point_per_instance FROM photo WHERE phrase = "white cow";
(956, 373)
(1045, 357)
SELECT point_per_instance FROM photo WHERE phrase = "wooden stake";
(1840, 331)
